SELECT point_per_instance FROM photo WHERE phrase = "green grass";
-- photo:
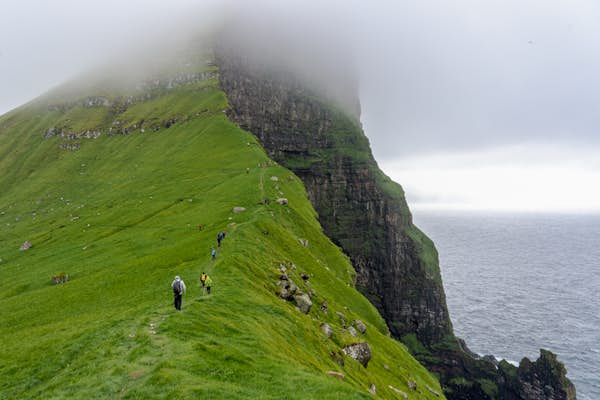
(120, 216)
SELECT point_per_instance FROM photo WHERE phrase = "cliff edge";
(365, 213)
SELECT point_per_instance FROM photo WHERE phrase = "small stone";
(342, 318)
(362, 328)
(338, 357)
(386, 367)
(324, 307)
(326, 328)
(274, 178)
(304, 277)
(352, 331)
(372, 389)
(282, 200)
(336, 374)
(25, 246)
(433, 391)
(398, 391)
(412, 385)
(238, 209)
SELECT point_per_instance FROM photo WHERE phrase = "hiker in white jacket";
(178, 287)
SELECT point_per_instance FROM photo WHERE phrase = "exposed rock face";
(360, 209)
(366, 214)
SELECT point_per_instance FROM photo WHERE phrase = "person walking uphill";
(178, 287)
(220, 237)
(208, 284)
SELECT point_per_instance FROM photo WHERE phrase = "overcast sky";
(468, 103)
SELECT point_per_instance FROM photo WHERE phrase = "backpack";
(177, 287)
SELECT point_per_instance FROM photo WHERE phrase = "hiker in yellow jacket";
(208, 284)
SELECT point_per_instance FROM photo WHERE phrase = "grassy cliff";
(113, 191)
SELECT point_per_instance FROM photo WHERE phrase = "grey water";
(516, 283)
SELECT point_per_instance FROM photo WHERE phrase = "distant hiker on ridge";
(220, 237)
(213, 253)
(178, 287)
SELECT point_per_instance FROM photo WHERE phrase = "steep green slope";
(120, 215)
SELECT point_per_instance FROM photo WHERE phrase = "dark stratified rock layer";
(366, 214)
(360, 209)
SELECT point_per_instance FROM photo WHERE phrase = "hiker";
(208, 284)
(203, 277)
(220, 237)
(213, 253)
(178, 287)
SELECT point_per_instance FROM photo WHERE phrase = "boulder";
(303, 302)
(25, 246)
(362, 328)
(326, 328)
(238, 209)
(360, 352)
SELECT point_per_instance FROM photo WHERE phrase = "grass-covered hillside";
(122, 213)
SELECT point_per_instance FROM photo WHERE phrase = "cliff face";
(360, 209)
(366, 214)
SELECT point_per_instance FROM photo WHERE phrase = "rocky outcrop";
(543, 379)
(366, 214)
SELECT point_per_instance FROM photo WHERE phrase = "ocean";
(516, 283)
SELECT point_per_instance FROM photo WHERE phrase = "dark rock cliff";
(360, 209)
(366, 214)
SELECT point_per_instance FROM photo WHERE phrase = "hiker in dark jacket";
(220, 237)
(178, 287)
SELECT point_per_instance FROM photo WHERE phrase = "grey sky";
(436, 76)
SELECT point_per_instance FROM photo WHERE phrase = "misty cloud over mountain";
(434, 76)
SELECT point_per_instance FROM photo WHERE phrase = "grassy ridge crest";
(121, 217)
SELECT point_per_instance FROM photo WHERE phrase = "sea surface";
(516, 283)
